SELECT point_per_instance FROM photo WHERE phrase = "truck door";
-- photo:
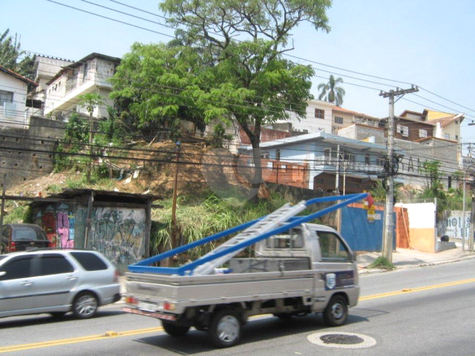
(336, 267)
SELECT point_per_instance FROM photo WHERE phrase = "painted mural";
(57, 222)
(119, 233)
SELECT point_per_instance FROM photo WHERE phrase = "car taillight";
(131, 300)
(168, 306)
(116, 276)
(12, 247)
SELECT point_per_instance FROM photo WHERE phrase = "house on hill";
(14, 90)
(90, 74)
(331, 162)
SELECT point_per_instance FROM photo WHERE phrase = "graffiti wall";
(453, 225)
(119, 233)
(58, 220)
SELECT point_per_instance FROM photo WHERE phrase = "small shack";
(116, 224)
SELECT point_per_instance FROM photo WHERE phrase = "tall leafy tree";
(11, 53)
(226, 64)
(331, 91)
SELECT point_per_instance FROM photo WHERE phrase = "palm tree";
(90, 101)
(331, 92)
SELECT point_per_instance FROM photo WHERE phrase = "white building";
(13, 93)
(318, 118)
(88, 75)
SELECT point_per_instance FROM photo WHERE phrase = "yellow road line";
(76, 340)
(106, 336)
(415, 290)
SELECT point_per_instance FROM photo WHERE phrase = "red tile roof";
(18, 76)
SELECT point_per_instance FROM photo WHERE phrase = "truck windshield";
(291, 239)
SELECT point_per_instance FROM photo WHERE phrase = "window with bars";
(422, 133)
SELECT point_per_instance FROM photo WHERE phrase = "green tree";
(75, 136)
(90, 101)
(331, 92)
(10, 53)
(150, 88)
(226, 64)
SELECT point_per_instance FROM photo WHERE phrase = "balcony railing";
(346, 165)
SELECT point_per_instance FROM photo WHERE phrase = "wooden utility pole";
(390, 171)
(175, 193)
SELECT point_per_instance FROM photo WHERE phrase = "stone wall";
(29, 153)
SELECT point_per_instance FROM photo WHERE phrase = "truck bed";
(187, 291)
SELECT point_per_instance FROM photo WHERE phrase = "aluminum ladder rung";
(267, 224)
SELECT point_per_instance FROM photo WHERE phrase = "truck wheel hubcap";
(228, 328)
(337, 311)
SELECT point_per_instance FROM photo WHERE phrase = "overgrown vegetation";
(203, 216)
(382, 263)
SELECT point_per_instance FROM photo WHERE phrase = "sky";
(428, 43)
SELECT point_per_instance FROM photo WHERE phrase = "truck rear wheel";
(336, 312)
(225, 328)
(173, 329)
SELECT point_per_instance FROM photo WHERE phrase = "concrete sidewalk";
(406, 258)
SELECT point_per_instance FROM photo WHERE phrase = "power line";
(286, 54)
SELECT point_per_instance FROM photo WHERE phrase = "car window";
(16, 268)
(332, 248)
(89, 261)
(27, 234)
(52, 264)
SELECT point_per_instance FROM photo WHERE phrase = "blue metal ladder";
(281, 220)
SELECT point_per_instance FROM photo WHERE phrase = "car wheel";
(174, 329)
(57, 314)
(336, 312)
(225, 328)
(85, 305)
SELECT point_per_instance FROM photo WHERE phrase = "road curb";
(364, 271)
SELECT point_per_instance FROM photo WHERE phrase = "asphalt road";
(420, 311)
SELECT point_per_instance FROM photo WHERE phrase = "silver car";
(56, 282)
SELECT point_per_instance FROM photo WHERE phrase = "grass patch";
(382, 263)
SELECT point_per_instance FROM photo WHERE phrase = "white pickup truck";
(297, 268)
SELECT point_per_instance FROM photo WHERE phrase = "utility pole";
(390, 170)
(3, 198)
(175, 193)
(472, 219)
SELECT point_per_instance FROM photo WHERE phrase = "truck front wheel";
(336, 312)
(225, 328)
(174, 329)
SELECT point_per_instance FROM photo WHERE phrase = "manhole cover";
(342, 340)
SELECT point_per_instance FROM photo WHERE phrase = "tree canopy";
(225, 64)
(331, 91)
(11, 53)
